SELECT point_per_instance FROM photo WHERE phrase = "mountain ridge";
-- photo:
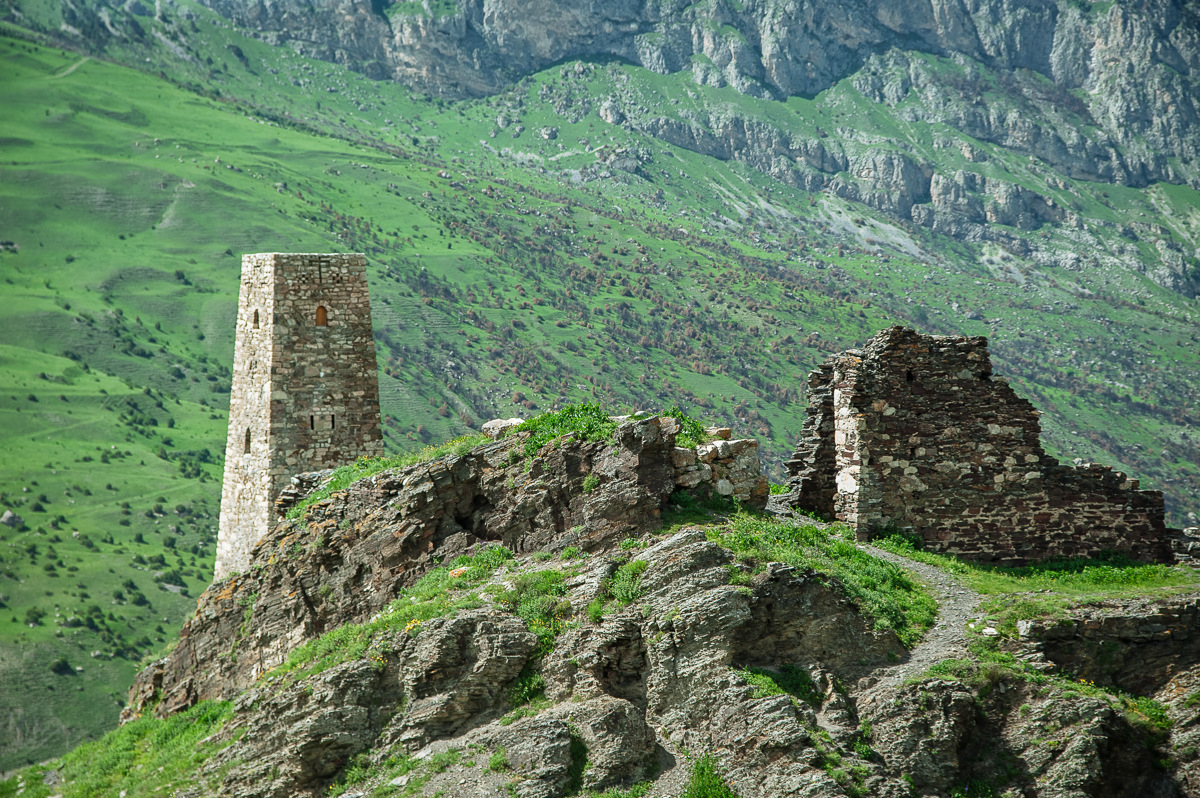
(529, 248)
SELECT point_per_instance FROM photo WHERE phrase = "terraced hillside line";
(72, 67)
(947, 639)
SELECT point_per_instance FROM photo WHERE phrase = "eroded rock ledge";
(356, 550)
(631, 695)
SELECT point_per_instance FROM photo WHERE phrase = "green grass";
(973, 789)
(691, 432)
(787, 680)
(526, 695)
(498, 761)
(108, 498)
(364, 467)
(626, 585)
(685, 510)
(437, 594)
(884, 592)
(1112, 576)
(587, 421)
(361, 771)
(146, 757)
(538, 598)
(528, 688)
(706, 781)
(990, 665)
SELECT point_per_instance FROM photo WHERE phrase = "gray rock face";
(1134, 66)
(634, 692)
(1138, 646)
(666, 665)
(936, 732)
(1097, 92)
(626, 697)
(356, 550)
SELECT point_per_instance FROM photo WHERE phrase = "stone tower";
(305, 394)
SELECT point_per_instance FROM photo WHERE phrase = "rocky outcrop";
(1138, 646)
(352, 553)
(944, 736)
(666, 665)
(479, 699)
(627, 696)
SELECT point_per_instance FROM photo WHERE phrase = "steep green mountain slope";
(524, 250)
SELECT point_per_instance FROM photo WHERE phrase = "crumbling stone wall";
(305, 394)
(914, 431)
(724, 467)
(721, 467)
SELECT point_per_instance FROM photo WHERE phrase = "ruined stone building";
(914, 432)
(305, 393)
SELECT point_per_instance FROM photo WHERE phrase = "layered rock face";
(353, 553)
(1088, 91)
(666, 664)
(1139, 646)
(633, 692)
(915, 431)
(1135, 66)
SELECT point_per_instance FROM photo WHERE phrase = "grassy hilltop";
(522, 253)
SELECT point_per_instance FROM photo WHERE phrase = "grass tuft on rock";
(706, 781)
(587, 420)
(444, 591)
(364, 467)
(691, 432)
(880, 589)
(788, 680)
(539, 599)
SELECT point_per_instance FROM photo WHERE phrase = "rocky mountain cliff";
(1104, 92)
(1126, 71)
(425, 632)
(970, 118)
(618, 266)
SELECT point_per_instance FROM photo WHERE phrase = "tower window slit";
(312, 422)
(256, 319)
(331, 424)
(246, 446)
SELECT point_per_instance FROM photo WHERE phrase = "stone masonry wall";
(914, 431)
(245, 494)
(726, 467)
(305, 394)
(722, 466)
